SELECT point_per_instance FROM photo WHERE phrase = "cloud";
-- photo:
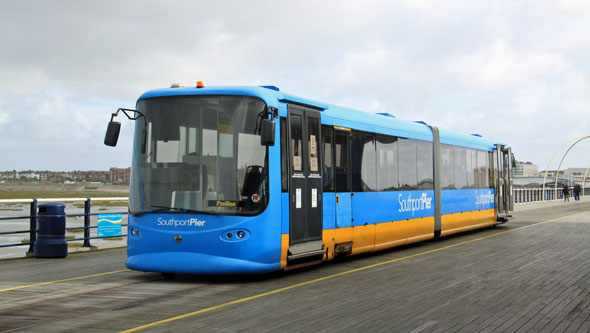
(4, 118)
(508, 70)
(500, 66)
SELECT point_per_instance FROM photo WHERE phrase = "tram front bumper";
(196, 263)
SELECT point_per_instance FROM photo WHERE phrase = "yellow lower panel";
(329, 239)
(381, 236)
(421, 228)
(453, 223)
(284, 249)
(390, 234)
(479, 219)
(363, 238)
(450, 224)
(342, 235)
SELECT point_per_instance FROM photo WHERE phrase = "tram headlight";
(134, 232)
(235, 235)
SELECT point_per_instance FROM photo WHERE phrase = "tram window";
(328, 172)
(209, 139)
(341, 161)
(448, 170)
(363, 162)
(425, 165)
(471, 165)
(482, 179)
(387, 173)
(296, 146)
(460, 167)
(284, 158)
(407, 164)
(313, 144)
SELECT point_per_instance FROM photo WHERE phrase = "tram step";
(305, 254)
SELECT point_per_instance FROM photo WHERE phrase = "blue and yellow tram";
(252, 179)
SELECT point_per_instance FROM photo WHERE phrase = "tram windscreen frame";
(199, 154)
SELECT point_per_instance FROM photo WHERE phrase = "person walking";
(577, 190)
(566, 193)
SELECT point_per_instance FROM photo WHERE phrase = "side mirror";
(267, 132)
(112, 135)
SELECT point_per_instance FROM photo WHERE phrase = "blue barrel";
(51, 231)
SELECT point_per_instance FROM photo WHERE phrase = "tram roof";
(336, 115)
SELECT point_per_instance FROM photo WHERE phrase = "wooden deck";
(532, 274)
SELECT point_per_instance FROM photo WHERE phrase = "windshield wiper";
(166, 208)
(179, 209)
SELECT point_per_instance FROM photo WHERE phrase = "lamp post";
(580, 138)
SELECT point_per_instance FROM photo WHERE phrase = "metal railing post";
(87, 223)
(32, 227)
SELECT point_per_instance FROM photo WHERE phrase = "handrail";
(63, 199)
(34, 215)
(524, 195)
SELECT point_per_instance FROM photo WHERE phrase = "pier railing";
(33, 216)
(530, 195)
(521, 196)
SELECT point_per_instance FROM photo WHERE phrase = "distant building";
(575, 173)
(120, 176)
(526, 169)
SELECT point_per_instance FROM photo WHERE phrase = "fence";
(529, 195)
(33, 215)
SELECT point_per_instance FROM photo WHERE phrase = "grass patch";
(111, 203)
(57, 194)
(10, 209)
(102, 204)
(112, 238)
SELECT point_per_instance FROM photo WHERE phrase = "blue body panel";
(205, 247)
(378, 207)
(344, 210)
(329, 211)
(467, 200)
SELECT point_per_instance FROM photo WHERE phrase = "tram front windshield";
(199, 154)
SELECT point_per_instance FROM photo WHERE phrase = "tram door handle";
(337, 199)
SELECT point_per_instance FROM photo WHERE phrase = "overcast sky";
(513, 71)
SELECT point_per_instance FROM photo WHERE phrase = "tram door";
(305, 190)
(503, 163)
